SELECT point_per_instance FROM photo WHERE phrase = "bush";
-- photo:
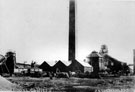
(62, 75)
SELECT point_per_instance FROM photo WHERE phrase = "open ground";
(74, 84)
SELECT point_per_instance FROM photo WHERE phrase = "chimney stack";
(71, 48)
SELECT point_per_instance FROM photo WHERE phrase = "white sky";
(38, 29)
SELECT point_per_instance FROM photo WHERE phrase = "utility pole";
(134, 61)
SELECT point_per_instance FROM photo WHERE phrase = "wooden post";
(134, 61)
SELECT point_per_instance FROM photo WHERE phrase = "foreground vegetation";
(72, 84)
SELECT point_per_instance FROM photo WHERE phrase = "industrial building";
(80, 66)
(106, 63)
(45, 67)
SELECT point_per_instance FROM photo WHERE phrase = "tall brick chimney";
(71, 48)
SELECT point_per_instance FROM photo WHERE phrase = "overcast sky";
(38, 29)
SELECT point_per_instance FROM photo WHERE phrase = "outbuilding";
(80, 66)
(45, 67)
(60, 67)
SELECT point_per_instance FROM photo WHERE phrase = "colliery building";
(7, 63)
(107, 64)
(96, 65)
(72, 66)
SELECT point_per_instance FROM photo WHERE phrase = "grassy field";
(73, 84)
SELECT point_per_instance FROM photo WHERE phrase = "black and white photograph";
(67, 45)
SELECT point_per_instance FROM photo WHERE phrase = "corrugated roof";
(52, 63)
(67, 63)
(85, 64)
(22, 65)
